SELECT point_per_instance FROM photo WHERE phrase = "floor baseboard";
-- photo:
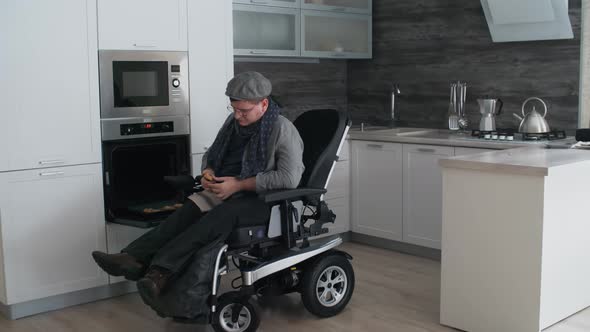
(405, 248)
(20, 310)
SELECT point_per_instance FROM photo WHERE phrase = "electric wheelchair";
(275, 256)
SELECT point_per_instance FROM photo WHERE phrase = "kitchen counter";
(434, 137)
(525, 160)
(514, 239)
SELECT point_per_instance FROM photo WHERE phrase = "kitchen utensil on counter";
(487, 108)
(453, 118)
(461, 97)
(533, 122)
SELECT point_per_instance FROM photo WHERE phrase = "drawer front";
(433, 149)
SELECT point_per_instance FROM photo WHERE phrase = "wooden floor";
(394, 292)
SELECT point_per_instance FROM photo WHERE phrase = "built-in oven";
(137, 155)
(143, 83)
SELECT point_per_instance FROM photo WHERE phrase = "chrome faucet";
(394, 92)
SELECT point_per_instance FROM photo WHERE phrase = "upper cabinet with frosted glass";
(344, 6)
(335, 35)
(340, 29)
(275, 3)
(266, 31)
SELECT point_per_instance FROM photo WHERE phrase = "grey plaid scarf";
(255, 153)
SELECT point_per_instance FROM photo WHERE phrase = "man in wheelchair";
(256, 150)
(258, 182)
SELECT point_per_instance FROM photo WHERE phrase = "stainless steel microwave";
(143, 84)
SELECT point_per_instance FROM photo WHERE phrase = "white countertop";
(525, 161)
(515, 157)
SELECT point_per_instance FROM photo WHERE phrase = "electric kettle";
(533, 122)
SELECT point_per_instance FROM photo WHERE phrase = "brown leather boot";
(152, 284)
(119, 265)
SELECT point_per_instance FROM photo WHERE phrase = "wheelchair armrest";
(180, 182)
(273, 196)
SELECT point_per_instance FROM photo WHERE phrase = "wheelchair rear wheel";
(327, 285)
(234, 314)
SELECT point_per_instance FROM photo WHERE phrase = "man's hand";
(207, 174)
(225, 186)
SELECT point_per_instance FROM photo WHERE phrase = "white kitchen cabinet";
(341, 208)
(267, 31)
(377, 181)
(344, 151)
(423, 194)
(335, 35)
(460, 151)
(145, 24)
(349, 6)
(48, 84)
(276, 3)
(51, 221)
(339, 185)
(338, 197)
(211, 66)
(119, 236)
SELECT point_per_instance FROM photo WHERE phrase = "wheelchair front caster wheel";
(327, 285)
(234, 314)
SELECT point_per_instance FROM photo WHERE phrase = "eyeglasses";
(232, 109)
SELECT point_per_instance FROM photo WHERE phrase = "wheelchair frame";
(250, 276)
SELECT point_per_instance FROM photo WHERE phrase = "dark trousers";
(174, 241)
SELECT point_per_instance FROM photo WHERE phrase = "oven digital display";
(129, 129)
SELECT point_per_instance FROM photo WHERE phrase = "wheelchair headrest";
(322, 131)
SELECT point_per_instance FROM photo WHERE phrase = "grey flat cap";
(248, 85)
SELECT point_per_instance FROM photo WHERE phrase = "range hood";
(522, 20)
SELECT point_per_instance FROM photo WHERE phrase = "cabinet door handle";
(52, 162)
(258, 52)
(339, 9)
(51, 174)
(258, 1)
(375, 146)
(146, 46)
(426, 150)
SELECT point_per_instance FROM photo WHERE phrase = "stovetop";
(510, 135)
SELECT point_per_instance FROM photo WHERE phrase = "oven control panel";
(128, 129)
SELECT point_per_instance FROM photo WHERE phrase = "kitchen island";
(515, 248)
